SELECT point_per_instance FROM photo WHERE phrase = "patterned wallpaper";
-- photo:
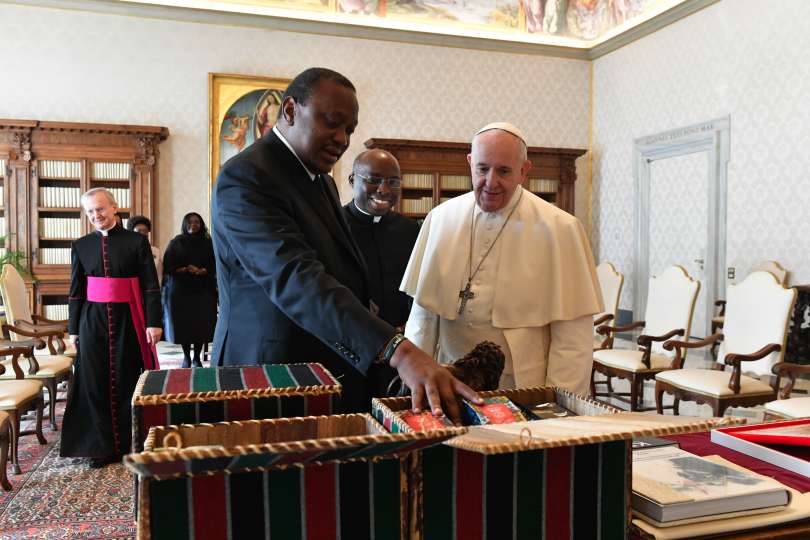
(76, 66)
(740, 58)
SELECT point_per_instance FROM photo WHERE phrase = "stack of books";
(673, 487)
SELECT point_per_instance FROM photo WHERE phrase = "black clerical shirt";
(386, 246)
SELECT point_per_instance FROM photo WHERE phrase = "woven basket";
(312, 477)
(555, 478)
(199, 395)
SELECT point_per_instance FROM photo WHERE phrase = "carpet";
(62, 497)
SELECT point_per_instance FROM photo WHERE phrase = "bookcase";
(44, 169)
(434, 171)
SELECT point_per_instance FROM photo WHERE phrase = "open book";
(670, 485)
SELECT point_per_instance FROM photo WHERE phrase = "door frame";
(711, 137)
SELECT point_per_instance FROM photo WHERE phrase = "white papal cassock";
(535, 293)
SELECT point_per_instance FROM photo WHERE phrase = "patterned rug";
(62, 497)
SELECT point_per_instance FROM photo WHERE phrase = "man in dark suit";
(293, 285)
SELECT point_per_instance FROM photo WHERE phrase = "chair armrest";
(25, 328)
(603, 319)
(671, 344)
(15, 353)
(43, 320)
(645, 340)
(679, 346)
(38, 331)
(606, 329)
(789, 370)
(735, 359)
(35, 343)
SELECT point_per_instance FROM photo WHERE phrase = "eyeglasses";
(393, 182)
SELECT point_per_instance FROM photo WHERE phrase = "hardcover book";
(646, 443)
(670, 484)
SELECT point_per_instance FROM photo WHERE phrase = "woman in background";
(141, 224)
(189, 289)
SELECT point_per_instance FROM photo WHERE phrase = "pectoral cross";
(465, 295)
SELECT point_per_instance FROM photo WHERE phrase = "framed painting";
(241, 108)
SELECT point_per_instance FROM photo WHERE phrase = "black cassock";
(97, 420)
(386, 246)
(189, 301)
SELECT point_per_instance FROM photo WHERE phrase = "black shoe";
(186, 362)
(98, 463)
(196, 363)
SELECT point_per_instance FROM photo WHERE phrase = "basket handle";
(173, 440)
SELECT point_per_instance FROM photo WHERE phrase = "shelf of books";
(55, 308)
(544, 188)
(116, 177)
(48, 165)
(59, 216)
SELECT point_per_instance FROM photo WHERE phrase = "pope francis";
(501, 264)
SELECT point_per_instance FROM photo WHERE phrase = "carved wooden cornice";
(147, 151)
(447, 145)
(22, 144)
(75, 127)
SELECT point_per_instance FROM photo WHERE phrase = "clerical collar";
(106, 232)
(287, 144)
(374, 219)
(512, 202)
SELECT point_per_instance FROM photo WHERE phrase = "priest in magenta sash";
(115, 321)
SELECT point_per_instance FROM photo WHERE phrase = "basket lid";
(579, 430)
(163, 386)
(218, 454)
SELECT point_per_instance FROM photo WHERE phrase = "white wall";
(743, 58)
(84, 67)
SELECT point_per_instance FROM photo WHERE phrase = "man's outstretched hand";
(427, 379)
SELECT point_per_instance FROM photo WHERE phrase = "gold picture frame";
(241, 108)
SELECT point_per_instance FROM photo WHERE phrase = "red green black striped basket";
(198, 395)
(325, 477)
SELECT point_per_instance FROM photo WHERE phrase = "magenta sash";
(125, 290)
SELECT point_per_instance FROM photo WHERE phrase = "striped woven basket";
(335, 476)
(193, 396)
(559, 478)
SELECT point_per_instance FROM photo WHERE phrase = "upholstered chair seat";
(631, 360)
(16, 392)
(789, 408)
(50, 366)
(712, 383)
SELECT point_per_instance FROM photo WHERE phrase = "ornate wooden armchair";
(717, 321)
(786, 406)
(610, 281)
(51, 368)
(670, 305)
(20, 395)
(757, 315)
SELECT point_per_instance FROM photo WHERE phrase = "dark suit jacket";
(293, 286)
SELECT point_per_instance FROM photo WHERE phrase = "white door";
(678, 222)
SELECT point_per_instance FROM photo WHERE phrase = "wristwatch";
(391, 347)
